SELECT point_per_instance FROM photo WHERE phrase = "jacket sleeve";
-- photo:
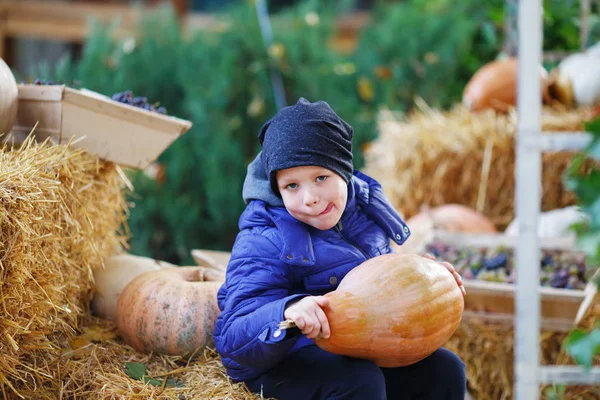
(257, 291)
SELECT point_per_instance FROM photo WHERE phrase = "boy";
(310, 219)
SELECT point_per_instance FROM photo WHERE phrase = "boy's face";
(313, 195)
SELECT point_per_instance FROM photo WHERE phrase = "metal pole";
(267, 35)
(528, 189)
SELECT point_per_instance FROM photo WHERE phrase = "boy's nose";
(310, 198)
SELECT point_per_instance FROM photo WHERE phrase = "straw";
(458, 156)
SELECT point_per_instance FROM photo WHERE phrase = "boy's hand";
(450, 268)
(309, 317)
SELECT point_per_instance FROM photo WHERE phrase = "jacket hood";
(257, 186)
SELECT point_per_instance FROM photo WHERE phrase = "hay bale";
(434, 158)
(60, 215)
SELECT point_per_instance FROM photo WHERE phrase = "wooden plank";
(110, 108)
(46, 113)
(2, 38)
(499, 239)
(568, 375)
(211, 258)
(563, 141)
(66, 11)
(559, 307)
(591, 299)
(115, 139)
(41, 92)
(508, 320)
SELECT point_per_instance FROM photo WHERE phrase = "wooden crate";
(117, 132)
(494, 302)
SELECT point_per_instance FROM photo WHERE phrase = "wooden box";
(117, 132)
(495, 302)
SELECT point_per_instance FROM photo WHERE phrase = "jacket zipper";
(339, 228)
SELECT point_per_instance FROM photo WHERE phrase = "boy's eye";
(291, 186)
(321, 178)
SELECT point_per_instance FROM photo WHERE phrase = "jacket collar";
(297, 248)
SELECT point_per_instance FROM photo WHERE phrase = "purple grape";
(127, 97)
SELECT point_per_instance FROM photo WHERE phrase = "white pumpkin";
(553, 223)
(9, 94)
(110, 281)
(577, 79)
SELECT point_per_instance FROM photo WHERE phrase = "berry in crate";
(558, 268)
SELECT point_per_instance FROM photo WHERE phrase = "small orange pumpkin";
(170, 311)
(394, 309)
(452, 218)
(495, 86)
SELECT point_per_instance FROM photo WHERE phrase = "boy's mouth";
(328, 209)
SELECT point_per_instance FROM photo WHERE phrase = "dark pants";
(315, 374)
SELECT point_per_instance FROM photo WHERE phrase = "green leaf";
(593, 127)
(594, 150)
(159, 382)
(589, 243)
(135, 370)
(584, 346)
(555, 392)
(138, 371)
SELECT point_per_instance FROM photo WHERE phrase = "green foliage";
(429, 48)
(583, 177)
(582, 346)
(220, 79)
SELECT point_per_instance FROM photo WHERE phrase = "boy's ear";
(263, 131)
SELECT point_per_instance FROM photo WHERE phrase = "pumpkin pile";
(574, 82)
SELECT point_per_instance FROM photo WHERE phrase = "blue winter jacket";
(277, 259)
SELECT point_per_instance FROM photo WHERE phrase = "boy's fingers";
(325, 330)
(309, 324)
(298, 320)
(449, 266)
(430, 256)
(457, 277)
(322, 301)
(313, 332)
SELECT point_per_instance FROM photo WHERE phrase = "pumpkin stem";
(202, 274)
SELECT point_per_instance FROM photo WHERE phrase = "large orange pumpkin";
(170, 311)
(495, 86)
(452, 218)
(394, 309)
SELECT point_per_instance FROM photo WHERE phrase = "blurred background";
(228, 65)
